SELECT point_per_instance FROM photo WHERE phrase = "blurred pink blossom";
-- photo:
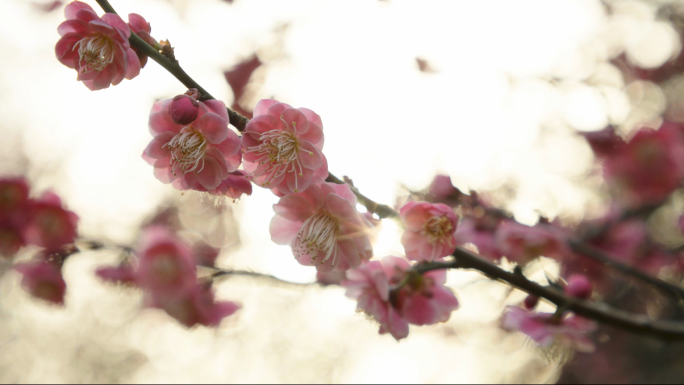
(522, 243)
(196, 306)
(546, 329)
(50, 225)
(649, 167)
(97, 48)
(323, 227)
(122, 274)
(14, 206)
(166, 266)
(197, 156)
(234, 186)
(442, 190)
(429, 230)
(282, 148)
(43, 280)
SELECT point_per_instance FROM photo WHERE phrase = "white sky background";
(478, 119)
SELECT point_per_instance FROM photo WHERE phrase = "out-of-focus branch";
(175, 69)
(263, 277)
(640, 324)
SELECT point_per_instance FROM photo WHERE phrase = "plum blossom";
(369, 284)
(49, 224)
(122, 274)
(396, 296)
(443, 191)
(548, 330)
(522, 243)
(429, 230)
(323, 227)
(166, 266)
(282, 148)
(233, 187)
(97, 48)
(43, 280)
(649, 167)
(198, 155)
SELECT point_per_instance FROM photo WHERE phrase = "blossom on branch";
(323, 227)
(429, 232)
(49, 224)
(548, 330)
(523, 244)
(394, 295)
(97, 48)
(282, 148)
(193, 156)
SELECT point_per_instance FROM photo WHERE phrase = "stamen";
(187, 150)
(438, 228)
(97, 51)
(318, 236)
(279, 152)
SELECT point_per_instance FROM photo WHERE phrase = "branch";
(264, 277)
(383, 211)
(599, 312)
(175, 69)
(596, 254)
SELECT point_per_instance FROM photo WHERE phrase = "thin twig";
(175, 69)
(383, 211)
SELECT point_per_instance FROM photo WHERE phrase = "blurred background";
(491, 93)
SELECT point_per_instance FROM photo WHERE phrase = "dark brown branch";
(596, 254)
(175, 69)
(596, 311)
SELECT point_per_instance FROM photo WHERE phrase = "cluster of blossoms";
(166, 269)
(41, 222)
(193, 148)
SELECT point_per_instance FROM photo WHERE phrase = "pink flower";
(481, 233)
(522, 243)
(429, 230)
(323, 227)
(50, 225)
(195, 306)
(282, 148)
(43, 280)
(234, 186)
(422, 299)
(166, 266)
(394, 295)
(142, 28)
(546, 330)
(369, 284)
(199, 155)
(649, 167)
(97, 48)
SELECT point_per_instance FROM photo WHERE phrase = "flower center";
(438, 228)
(318, 236)
(187, 150)
(278, 154)
(97, 51)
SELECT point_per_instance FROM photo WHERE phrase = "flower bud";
(184, 109)
(579, 286)
(531, 301)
